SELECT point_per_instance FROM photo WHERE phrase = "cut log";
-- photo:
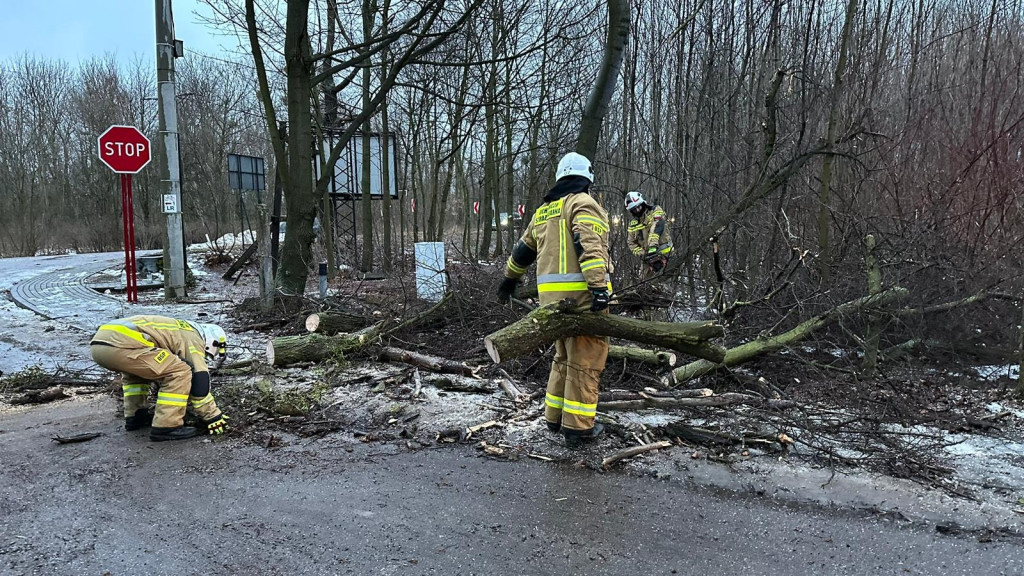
(728, 399)
(745, 352)
(633, 451)
(655, 357)
(509, 387)
(432, 363)
(561, 320)
(285, 350)
(331, 323)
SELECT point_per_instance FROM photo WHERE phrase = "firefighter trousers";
(141, 366)
(573, 383)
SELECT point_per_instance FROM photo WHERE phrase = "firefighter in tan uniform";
(648, 234)
(169, 351)
(568, 238)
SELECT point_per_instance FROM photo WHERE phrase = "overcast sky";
(75, 30)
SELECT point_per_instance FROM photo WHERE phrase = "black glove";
(507, 289)
(657, 265)
(599, 300)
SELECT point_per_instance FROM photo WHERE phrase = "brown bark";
(557, 321)
(432, 363)
(286, 350)
(331, 323)
(655, 357)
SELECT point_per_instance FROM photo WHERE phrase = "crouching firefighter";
(648, 233)
(568, 239)
(172, 353)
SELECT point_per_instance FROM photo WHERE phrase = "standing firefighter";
(568, 238)
(648, 233)
(169, 351)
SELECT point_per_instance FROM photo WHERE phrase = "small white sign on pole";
(431, 280)
(170, 204)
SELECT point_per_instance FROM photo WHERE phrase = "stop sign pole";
(126, 151)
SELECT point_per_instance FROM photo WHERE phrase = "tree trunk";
(300, 200)
(557, 321)
(432, 363)
(607, 77)
(824, 193)
(654, 357)
(745, 352)
(331, 323)
(874, 331)
(285, 350)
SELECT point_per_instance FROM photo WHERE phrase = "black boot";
(179, 433)
(576, 438)
(554, 426)
(141, 419)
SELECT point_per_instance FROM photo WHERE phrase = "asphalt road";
(120, 504)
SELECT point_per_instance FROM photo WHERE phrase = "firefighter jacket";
(650, 231)
(175, 336)
(568, 238)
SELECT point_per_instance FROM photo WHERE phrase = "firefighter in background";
(568, 239)
(174, 354)
(648, 234)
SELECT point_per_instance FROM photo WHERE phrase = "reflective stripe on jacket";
(570, 237)
(176, 336)
(650, 231)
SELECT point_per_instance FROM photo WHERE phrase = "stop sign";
(124, 149)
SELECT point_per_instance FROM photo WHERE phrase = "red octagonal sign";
(124, 149)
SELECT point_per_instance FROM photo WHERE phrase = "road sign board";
(124, 149)
(521, 209)
(476, 207)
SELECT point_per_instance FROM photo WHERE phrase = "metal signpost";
(125, 150)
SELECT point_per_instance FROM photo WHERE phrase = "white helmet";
(634, 200)
(573, 164)
(216, 340)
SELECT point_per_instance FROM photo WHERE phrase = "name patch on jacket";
(161, 356)
(548, 211)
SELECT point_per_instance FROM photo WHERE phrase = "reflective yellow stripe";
(580, 409)
(562, 287)
(591, 264)
(172, 399)
(194, 350)
(638, 251)
(133, 334)
(562, 265)
(597, 224)
(553, 401)
(202, 401)
(515, 268)
(653, 238)
(135, 389)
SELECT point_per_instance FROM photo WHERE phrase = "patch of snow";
(995, 372)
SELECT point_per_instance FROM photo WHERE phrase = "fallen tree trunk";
(745, 352)
(432, 363)
(728, 399)
(285, 350)
(616, 395)
(633, 451)
(561, 320)
(40, 396)
(655, 357)
(331, 323)
(708, 437)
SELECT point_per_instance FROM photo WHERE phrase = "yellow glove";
(218, 425)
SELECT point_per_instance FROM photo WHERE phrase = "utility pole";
(168, 157)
